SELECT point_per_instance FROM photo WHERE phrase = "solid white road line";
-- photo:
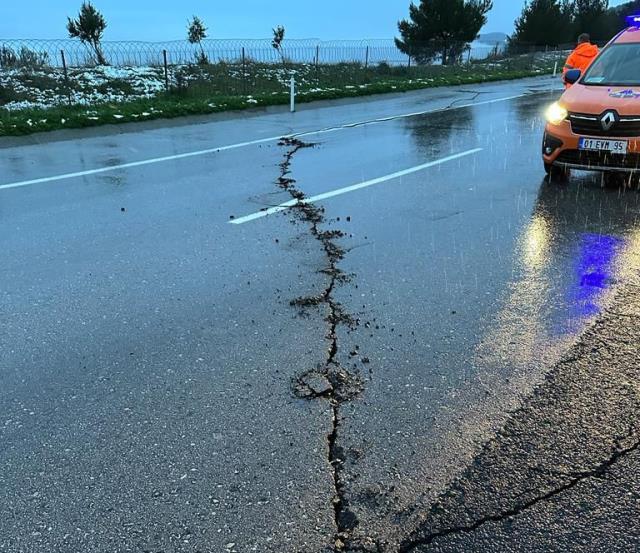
(406, 115)
(186, 155)
(286, 205)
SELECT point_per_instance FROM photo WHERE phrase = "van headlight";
(556, 114)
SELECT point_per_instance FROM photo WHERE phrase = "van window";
(618, 65)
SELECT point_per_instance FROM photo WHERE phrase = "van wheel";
(612, 180)
(620, 180)
(555, 173)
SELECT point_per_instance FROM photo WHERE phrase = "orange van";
(595, 126)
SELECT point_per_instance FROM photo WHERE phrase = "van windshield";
(618, 65)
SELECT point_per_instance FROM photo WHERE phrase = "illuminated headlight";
(556, 114)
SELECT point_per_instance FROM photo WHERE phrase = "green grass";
(216, 88)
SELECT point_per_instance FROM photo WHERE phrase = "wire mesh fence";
(38, 73)
(73, 54)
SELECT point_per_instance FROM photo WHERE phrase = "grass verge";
(176, 104)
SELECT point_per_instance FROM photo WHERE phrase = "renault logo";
(608, 120)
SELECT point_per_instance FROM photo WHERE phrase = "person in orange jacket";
(582, 57)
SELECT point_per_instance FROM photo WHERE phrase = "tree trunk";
(99, 55)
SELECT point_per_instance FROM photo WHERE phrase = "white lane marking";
(138, 163)
(406, 115)
(66, 176)
(286, 205)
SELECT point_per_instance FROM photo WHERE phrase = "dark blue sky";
(166, 19)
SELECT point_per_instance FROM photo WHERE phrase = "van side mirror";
(572, 76)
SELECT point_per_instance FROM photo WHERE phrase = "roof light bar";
(633, 20)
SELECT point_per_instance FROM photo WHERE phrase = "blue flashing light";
(633, 20)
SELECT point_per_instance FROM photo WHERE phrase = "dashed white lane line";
(186, 155)
(398, 174)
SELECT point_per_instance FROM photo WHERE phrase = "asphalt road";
(436, 351)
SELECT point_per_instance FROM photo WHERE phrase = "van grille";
(589, 124)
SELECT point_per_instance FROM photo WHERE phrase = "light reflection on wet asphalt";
(480, 276)
(568, 264)
(133, 306)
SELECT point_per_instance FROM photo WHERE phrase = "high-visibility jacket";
(582, 57)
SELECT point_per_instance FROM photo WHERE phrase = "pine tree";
(442, 28)
(543, 23)
(615, 18)
(278, 39)
(196, 33)
(591, 17)
(629, 8)
(89, 28)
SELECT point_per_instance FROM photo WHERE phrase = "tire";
(612, 180)
(620, 180)
(555, 173)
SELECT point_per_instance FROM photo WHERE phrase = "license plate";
(600, 145)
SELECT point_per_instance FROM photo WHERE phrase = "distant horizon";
(231, 39)
(159, 20)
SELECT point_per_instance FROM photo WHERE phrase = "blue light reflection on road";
(594, 273)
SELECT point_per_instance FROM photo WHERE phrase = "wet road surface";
(435, 353)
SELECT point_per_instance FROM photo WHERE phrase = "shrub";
(121, 86)
(26, 58)
(8, 58)
(30, 59)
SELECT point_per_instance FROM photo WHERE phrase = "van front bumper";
(560, 148)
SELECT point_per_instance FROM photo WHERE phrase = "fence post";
(244, 72)
(292, 92)
(317, 56)
(366, 58)
(409, 60)
(66, 75)
(166, 70)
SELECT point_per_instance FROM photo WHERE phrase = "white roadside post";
(292, 92)
(555, 70)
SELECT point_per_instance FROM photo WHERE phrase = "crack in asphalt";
(600, 471)
(330, 381)
(333, 383)
(475, 96)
